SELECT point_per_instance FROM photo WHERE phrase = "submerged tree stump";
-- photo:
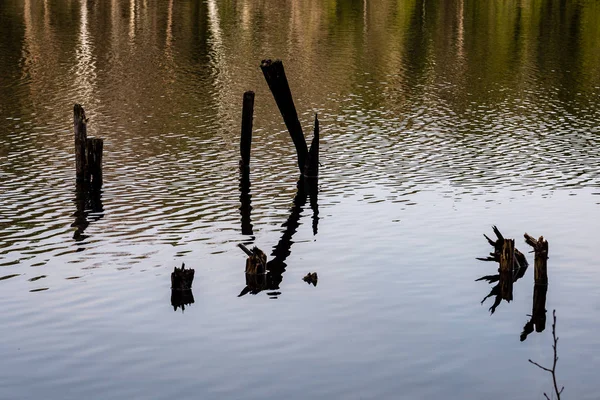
(540, 247)
(507, 266)
(181, 278)
(279, 86)
(256, 263)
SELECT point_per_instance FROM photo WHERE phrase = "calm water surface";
(438, 120)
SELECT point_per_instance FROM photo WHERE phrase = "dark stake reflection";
(504, 279)
(89, 208)
(538, 312)
(181, 298)
(276, 266)
(245, 201)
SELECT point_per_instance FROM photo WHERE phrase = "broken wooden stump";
(246, 136)
(279, 86)
(512, 267)
(540, 247)
(256, 263)
(88, 151)
(311, 278)
(181, 278)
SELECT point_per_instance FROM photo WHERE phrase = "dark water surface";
(438, 120)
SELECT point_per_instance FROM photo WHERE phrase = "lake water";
(438, 120)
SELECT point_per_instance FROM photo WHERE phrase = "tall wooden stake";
(507, 265)
(311, 169)
(94, 148)
(246, 137)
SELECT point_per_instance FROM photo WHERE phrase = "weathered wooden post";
(540, 247)
(277, 81)
(507, 265)
(79, 126)
(94, 147)
(246, 137)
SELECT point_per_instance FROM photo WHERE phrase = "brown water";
(438, 120)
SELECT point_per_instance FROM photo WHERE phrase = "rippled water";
(438, 120)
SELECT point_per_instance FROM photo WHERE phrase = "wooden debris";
(256, 263)
(246, 136)
(540, 247)
(181, 298)
(278, 83)
(311, 169)
(181, 278)
(311, 277)
(80, 128)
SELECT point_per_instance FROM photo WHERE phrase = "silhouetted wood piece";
(246, 137)
(181, 298)
(181, 278)
(80, 129)
(278, 84)
(256, 263)
(540, 247)
(311, 277)
(311, 170)
(507, 265)
(94, 147)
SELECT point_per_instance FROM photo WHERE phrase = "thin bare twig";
(553, 370)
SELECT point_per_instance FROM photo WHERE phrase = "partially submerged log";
(278, 84)
(181, 278)
(540, 247)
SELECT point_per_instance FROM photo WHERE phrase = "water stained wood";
(540, 247)
(311, 169)
(181, 299)
(538, 311)
(278, 84)
(80, 129)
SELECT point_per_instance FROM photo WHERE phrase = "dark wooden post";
(79, 126)
(246, 137)
(311, 169)
(540, 246)
(507, 265)
(94, 147)
(277, 81)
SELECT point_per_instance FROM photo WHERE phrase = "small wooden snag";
(80, 129)
(279, 86)
(540, 247)
(246, 137)
(256, 263)
(507, 265)
(181, 278)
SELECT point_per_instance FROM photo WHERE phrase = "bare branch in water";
(553, 370)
